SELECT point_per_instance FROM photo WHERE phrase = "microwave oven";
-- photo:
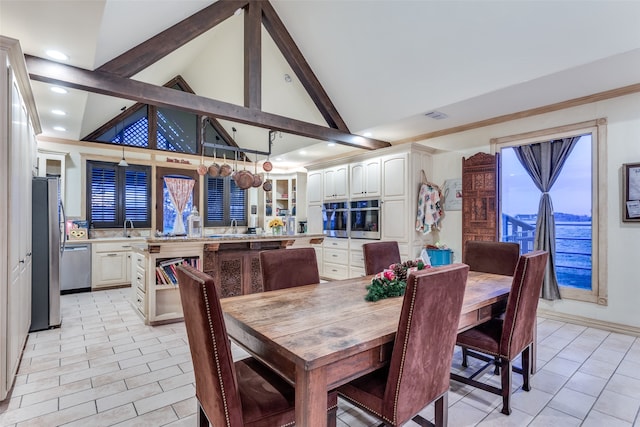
(364, 216)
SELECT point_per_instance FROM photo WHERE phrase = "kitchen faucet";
(124, 232)
(234, 226)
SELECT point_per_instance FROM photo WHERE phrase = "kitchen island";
(231, 259)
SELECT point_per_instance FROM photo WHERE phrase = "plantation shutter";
(103, 195)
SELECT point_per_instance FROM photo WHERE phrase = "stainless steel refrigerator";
(48, 240)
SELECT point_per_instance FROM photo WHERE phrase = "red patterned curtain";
(179, 191)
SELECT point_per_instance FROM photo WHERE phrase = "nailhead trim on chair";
(215, 352)
(524, 274)
(404, 351)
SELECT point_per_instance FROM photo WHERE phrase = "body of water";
(573, 254)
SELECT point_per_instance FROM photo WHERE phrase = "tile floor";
(104, 367)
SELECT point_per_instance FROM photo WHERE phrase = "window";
(224, 202)
(166, 211)
(576, 211)
(117, 193)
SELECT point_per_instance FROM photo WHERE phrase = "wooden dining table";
(321, 336)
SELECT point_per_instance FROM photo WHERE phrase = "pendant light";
(123, 162)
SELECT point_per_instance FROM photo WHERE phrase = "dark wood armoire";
(480, 205)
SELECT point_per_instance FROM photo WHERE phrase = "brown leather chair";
(285, 268)
(418, 372)
(380, 255)
(505, 338)
(491, 257)
(244, 393)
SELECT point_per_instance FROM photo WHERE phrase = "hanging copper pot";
(267, 166)
(225, 169)
(257, 178)
(214, 169)
(202, 169)
(267, 185)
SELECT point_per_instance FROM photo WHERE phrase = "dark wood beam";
(109, 84)
(299, 65)
(140, 57)
(253, 56)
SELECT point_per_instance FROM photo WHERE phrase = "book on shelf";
(167, 272)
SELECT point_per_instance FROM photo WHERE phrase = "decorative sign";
(452, 194)
(182, 161)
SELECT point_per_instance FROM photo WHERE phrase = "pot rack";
(272, 136)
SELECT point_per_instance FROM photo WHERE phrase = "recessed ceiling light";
(57, 55)
(59, 128)
(58, 89)
(367, 134)
(303, 152)
(279, 159)
(331, 144)
(59, 112)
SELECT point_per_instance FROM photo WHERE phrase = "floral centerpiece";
(276, 225)
(392, 281)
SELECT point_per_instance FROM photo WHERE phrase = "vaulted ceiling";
(383, 64)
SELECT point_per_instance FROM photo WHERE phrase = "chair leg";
(506, 386)
(496, 371)
(442, 410)
(464, 357)
(331, 417)
(201, 417)
(526, 368)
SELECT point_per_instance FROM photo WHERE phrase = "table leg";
(311, 397)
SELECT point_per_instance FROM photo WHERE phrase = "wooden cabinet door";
(240, 273)
(357, 180)
(394, 176)
(372, 178)
(480, 197)
(314, 188)
(111, 269)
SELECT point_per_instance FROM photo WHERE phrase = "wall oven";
(335, 219)
(365, 219)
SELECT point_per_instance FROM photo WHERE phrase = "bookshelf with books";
(167, 273)
(156, 295)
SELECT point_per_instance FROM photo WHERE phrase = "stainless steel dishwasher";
(75, 268)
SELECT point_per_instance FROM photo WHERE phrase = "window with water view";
(571, 196)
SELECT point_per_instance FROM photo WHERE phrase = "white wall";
(623, 239)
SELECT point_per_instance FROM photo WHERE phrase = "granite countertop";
(226, 238)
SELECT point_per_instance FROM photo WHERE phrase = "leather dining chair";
(418, 372)
(380, 255)
(244, 393)
(503, 339)
(491, 257)
(285, 268)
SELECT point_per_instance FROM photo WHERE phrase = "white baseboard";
(592, 323)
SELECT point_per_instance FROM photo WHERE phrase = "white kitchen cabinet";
(335, 256)
(314, 188)
(19, 125)
(284, 198)
(395, 219)
(111, 264)
(394, 176)
(53, 163)
(365, 179)
(157, 302)
(336, 182)
(391, 174)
